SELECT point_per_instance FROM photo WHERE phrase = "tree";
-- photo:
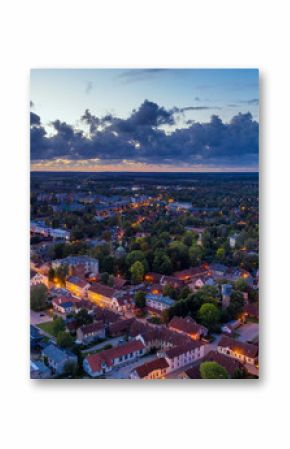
(137, 272)
(38, 297)
(64, 339)
(168, 290)
(57, 325)
(209, 315)
(140, 300)
(70, 368)
(236, 304)
(137, 255)
(241, 284)
(104, 278)
(220, 254)
(188, 238)
(212, 370)
(162, 263)
(195, 254)
(83, 317)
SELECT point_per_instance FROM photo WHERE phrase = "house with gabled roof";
(101, 363)
(188, 326)
(155, 369)
(244, 352)
(57, 358)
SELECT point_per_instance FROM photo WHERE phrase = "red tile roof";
(120, 326)
(183, 349)
(92, 328)
(149, 367)
(187, 325)
(237, 346)
(231, 365)
(191, 272)
(95, 360)
(75, 280)
(103, 290)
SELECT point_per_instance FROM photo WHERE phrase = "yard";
(48, 327)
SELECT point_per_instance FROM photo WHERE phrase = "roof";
(182, 349)
(95, 361)
(252, 310)
(172, 280)
(187, 325)
(149, 367)
(190, 272)
(152, 277)
(91, 328)
(77, 281)
(160, 298)
(55, 353)
(231, 365)
(120, 326)
(218, 267)
(246, 349)
(103, 290)
(119, 282)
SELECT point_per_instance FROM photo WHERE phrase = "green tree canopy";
(137, 272)
(64, 339)
(38, 297)
(212, 370)
(140, 300)
(209, 315)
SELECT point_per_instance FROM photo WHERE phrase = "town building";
(90, 332)
(180, 356)
(158, 303)
(244, 352)
(101, 294)
(188, 326)
(104, 362)
(156, 369)
(57, 359)
(77, 286)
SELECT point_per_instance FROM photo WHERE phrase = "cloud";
(34, 119)
(136, 75)
(142, 138)
(89, 87)
(254, 101)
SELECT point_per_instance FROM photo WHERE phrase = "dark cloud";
(196, 108)
(142, 138)
(34, 119)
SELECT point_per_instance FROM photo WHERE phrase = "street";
(248, 332)
(39, 317)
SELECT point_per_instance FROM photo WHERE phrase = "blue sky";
(65, 94)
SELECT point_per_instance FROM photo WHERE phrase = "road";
(39, 317)
(248, 332)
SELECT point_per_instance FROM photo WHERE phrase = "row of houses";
(46, 231)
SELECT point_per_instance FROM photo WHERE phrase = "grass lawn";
(47, 327)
